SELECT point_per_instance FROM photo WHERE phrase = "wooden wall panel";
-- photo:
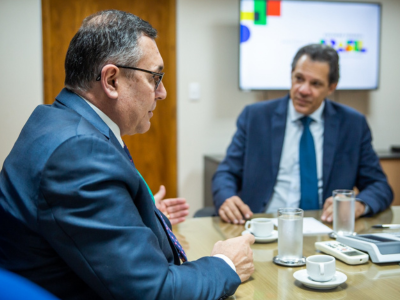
(154, 152)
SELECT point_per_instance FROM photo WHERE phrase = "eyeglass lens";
(157, 80)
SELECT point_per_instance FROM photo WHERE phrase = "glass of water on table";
(343, 212)
(290, 237)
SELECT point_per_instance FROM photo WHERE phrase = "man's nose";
(305, 88)
(161, 92)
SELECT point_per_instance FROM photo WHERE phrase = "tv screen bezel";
(338, 89)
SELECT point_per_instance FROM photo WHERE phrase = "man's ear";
(332, 87)
(109, 80)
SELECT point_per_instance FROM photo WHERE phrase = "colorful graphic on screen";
(271, 32)
(348, 46)
(262, 9)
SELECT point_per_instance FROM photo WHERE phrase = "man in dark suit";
(76, 216)
(294, 151)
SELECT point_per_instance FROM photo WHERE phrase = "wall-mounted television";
(271, 32)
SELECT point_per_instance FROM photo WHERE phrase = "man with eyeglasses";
(76, 216)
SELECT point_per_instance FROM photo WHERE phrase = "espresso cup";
(321, 267)
(260, 226)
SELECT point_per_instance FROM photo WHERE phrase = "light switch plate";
(194, 91)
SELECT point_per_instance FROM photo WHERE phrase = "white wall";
(383, 107)
(207, 53)
(21, 71)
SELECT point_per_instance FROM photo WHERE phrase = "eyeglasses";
(156, 76)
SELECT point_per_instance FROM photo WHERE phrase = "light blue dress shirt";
(287, 188)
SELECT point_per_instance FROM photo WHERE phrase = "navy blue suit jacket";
(251, 165)
(76, 218)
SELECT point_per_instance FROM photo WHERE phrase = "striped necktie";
(178, 247)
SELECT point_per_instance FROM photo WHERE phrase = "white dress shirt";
(117, 132)
(110, 123)
(287, 188)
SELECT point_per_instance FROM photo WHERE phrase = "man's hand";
(327, 213)
(233, 210)
(175, 209)
(239, 252)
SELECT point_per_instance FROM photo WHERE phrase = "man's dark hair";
(109, 36)
(322, 53)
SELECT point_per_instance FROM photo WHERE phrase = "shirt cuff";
(227, 260)
(367, 209)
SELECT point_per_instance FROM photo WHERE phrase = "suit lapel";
(76, 103)
(278, 125)
(331, 132)
(117, 145)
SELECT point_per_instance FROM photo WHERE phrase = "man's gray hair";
(109, 36)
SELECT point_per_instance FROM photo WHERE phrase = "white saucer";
(337, 279)
(264, 239)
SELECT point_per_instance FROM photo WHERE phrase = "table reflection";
(270, 281)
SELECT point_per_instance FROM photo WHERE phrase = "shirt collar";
(317, 115)
(110, 123)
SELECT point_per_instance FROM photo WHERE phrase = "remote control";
(342, 252)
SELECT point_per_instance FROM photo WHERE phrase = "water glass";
(343, 212)
(290, 235)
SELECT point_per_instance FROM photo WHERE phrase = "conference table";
(271, 281)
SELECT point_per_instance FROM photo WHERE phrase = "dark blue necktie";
(174, 240)
(308, 169)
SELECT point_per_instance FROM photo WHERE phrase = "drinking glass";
(343, 212)
(290, 237)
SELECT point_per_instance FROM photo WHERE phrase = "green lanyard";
(151, 194)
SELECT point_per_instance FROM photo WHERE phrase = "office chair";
(15, 287)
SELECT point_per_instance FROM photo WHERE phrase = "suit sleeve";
(90, 216)
(371, 181)
(227, 180)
